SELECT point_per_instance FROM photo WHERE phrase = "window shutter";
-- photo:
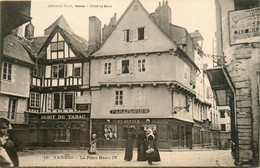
(119, 67)
(130, 35)
(135, 35)
(131, 65)
(124, 33)
(48, 72)
(48, 52)
(125, 97)
(147, 64)
(69, 70)
(143, 98)
(145, 33)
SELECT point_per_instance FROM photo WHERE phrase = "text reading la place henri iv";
(68, 156)
(80, 6)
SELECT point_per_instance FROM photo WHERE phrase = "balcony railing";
(17, 118)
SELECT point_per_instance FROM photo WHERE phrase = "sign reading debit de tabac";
(63, 116)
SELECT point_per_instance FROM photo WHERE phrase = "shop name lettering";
(57, 117)
(129, 111)
(68, 156)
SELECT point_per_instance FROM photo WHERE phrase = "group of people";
(146, 145)
(8, 154)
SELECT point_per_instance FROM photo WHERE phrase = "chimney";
(94, 32)
(107, 28)
(29, 31)
(163, 16)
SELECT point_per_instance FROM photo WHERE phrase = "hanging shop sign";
(63, 116)
(129, 111)
(244, 26)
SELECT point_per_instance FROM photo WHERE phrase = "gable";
(135, 17)
(58, 48)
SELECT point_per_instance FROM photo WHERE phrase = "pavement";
(115, 158)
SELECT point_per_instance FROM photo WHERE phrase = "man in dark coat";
(6, 143)
(130, 143)
(141, 145)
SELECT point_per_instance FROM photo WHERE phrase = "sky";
(190, 14)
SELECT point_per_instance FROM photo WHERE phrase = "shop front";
(59, 129)
(169, 133)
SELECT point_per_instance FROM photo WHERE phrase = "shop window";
(175, 132)
(141, 65)
(62, 135)
(110, 132)
(107, 68)
(223, 127)
(7, 71)
(34, 100)
(12, 108)
(118, 97)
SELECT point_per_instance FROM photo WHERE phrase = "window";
(110, 132)
(62, 135)
(63, 101)
(77, 69)
(107, 68)
(127, 35)
(35, 100)
(7, 71)
(140, 97)
(141, 33)
(141, 65)
(59, 71)
(57, 100)
(57, 47)
(223, 127)
(222, 114)
(12, 108)
(125, 66)
(68, 100)
(119, 98)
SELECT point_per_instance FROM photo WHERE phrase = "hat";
(5, 120)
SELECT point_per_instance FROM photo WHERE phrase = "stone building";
(145, 75)
(238, 40)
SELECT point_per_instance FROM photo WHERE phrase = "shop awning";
(221, 85)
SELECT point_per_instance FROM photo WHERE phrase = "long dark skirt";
(154, 156)
(141, 152)
(129, 151)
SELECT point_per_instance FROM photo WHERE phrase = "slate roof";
(61, 22)
(37, 43)
(78, 44)
(16, 48)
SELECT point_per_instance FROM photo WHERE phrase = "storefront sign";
(63, 116)
(82, 107)
(244, 26)
(128, 121)
(129, 111)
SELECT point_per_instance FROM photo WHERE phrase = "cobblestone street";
(53, 157)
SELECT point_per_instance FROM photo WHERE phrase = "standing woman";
(93, 145)
(131, 135)
(151, 143)
(141, 145)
